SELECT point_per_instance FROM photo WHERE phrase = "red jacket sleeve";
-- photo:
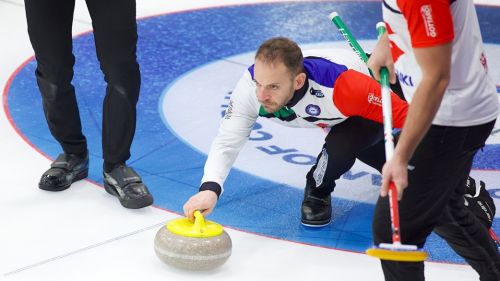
(429, 21)
(356, 94)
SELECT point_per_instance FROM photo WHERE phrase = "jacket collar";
(299, 94)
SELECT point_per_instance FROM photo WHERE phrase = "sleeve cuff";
(213, 186)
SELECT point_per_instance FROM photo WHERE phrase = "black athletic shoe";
(124, 183)
(65, 170)
(316, 210)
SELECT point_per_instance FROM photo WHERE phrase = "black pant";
(434, 200)
(115, 34)
(354, 138)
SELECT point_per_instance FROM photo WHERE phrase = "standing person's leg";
(115, 33)
(49, 29)
(460, 227)
(423, 200)
(436, 170)
(342, 145)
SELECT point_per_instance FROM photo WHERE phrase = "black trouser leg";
(441, 165)
(115, 33)
(49, 29)
(374, 156)
(462, 231)
(353, 138)
(460, 227)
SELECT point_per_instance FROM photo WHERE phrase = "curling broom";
(395, 251)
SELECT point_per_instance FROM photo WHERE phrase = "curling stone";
(198, 245)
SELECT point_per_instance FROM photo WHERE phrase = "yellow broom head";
(397, 252)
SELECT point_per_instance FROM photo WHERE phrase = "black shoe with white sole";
(316, 210)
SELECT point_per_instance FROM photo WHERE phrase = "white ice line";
(83, 249)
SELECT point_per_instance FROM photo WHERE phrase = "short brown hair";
(282, 49)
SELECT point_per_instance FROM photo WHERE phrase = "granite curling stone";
(198, 245)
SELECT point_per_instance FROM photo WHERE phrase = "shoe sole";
(129, 204)
(316, 224)
(80, 176)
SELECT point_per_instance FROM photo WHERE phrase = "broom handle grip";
(394, 207)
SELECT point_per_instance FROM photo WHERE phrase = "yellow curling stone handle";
(200, 228)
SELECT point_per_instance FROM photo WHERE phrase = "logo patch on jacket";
(313, 110)
(316, 93)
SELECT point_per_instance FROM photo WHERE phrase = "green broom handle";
(335, 18)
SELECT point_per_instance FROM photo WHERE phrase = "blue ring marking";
(174, 44)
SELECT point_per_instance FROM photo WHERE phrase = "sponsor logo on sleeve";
(373, 99)
(229, 110)
(430, 27)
